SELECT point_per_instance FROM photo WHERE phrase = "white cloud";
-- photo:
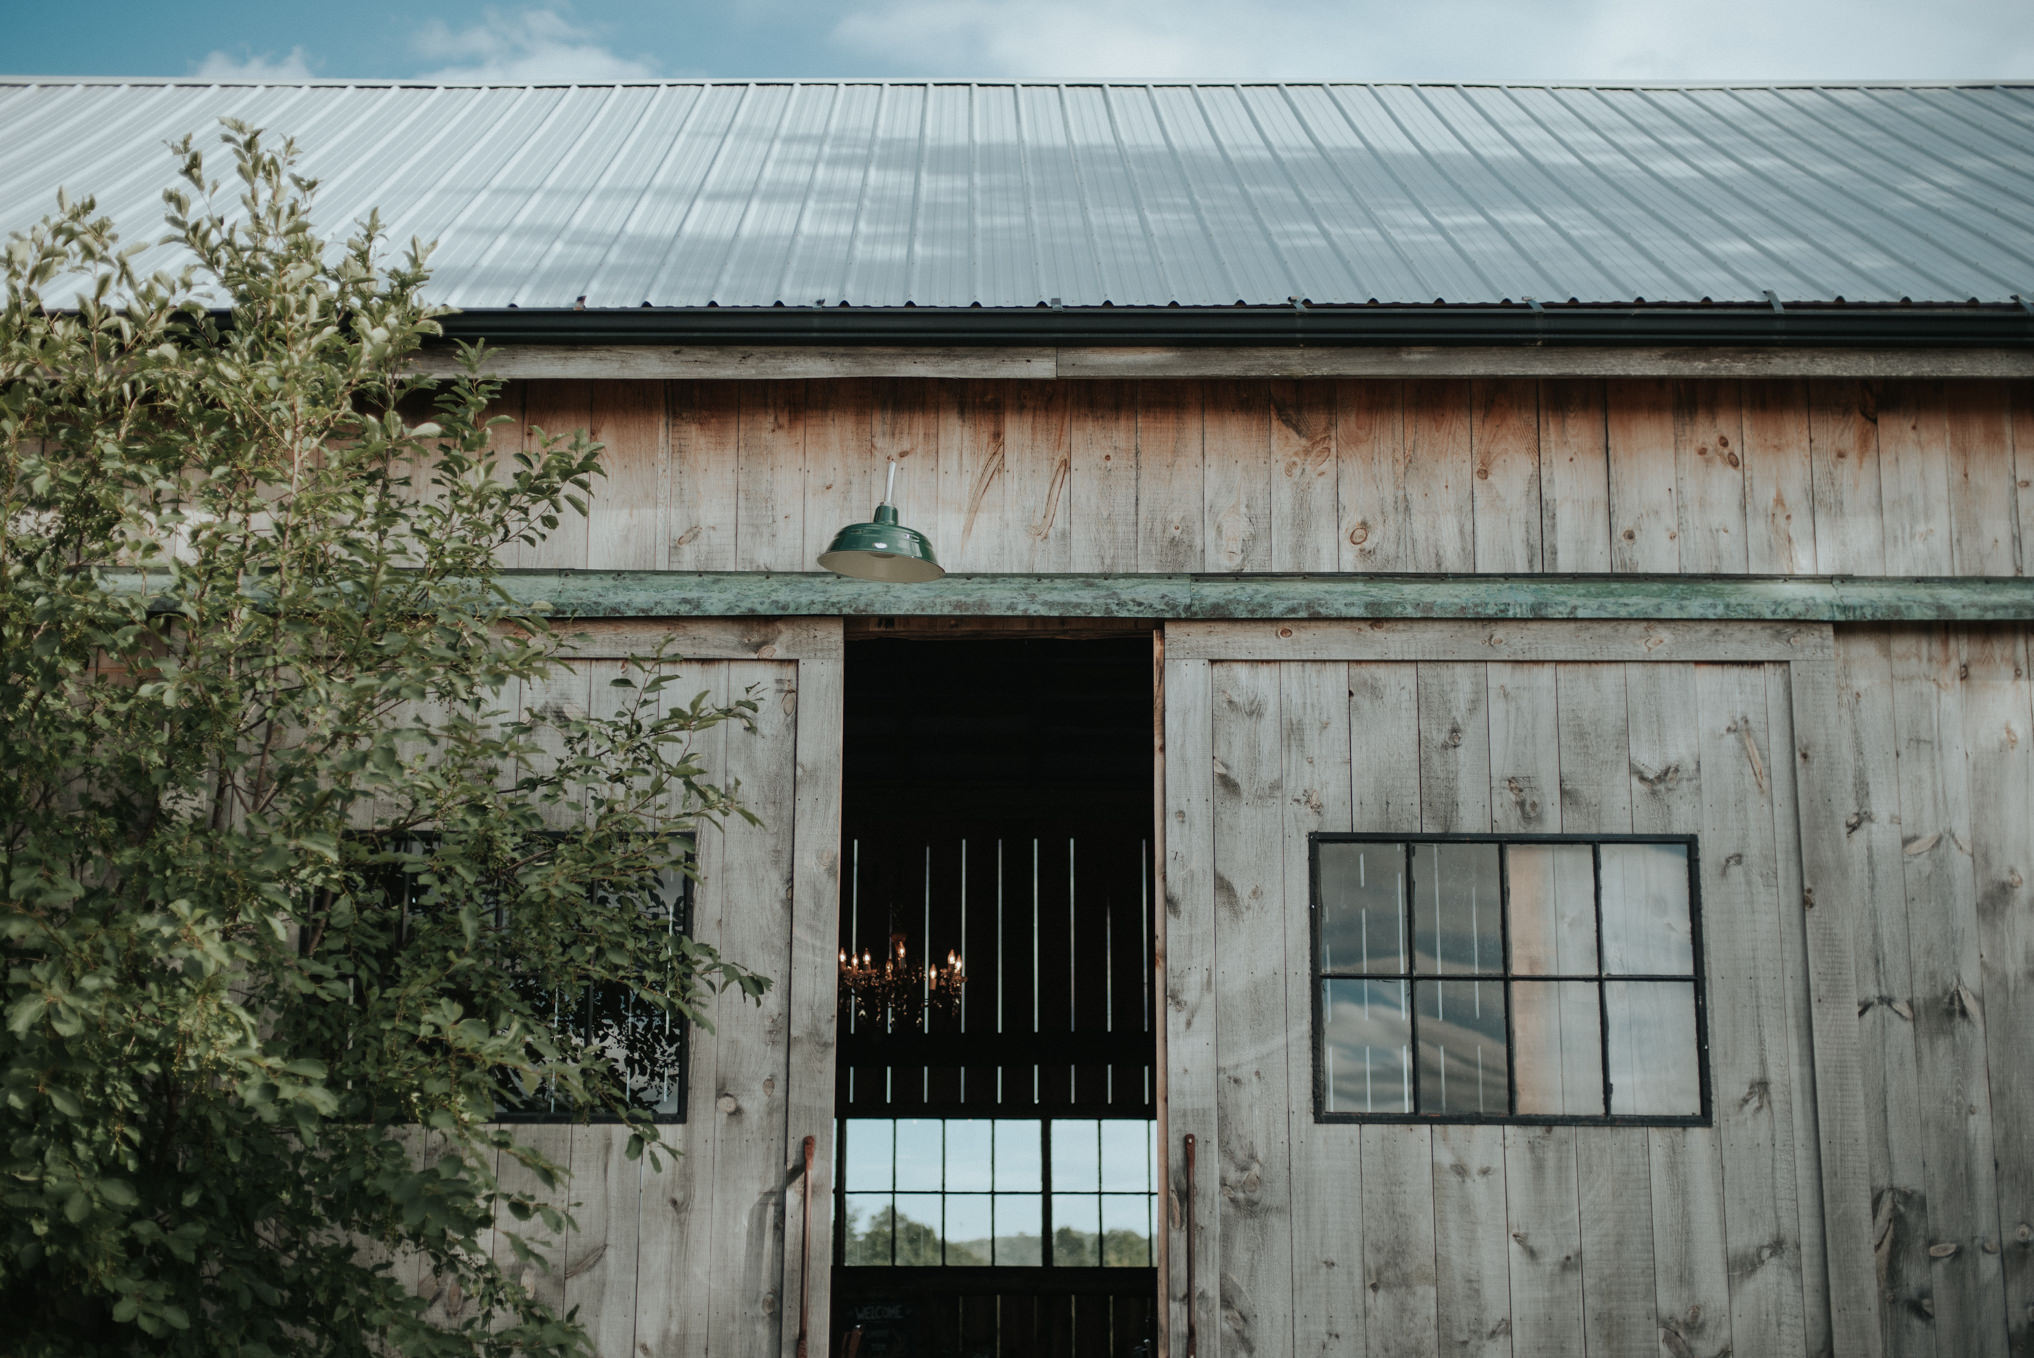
(254, 67)
(1447, 39)
(531, 46)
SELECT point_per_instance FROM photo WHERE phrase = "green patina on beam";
(736, 594)
(655, 594)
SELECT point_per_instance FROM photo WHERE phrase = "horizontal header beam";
(759, 362)
(674, 594)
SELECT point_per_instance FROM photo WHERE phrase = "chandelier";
(895, 987)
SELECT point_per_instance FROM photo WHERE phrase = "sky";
(1443, 40)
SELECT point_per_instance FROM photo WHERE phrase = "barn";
(1596, 512)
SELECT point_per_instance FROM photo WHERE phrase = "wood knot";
(727, 1103)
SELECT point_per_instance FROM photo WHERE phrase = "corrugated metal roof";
(944, 194)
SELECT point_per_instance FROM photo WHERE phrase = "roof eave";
(1979, 325)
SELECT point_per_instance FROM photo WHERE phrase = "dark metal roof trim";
(1974, 325)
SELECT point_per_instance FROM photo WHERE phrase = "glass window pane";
(1553, 909)
(1076, 1228)
(1645, 910)
(1557, 1047)
(1126, 1230)
(967, 1155)
(1017, 1156)
(1076, 1156)
(917, 1229)
(1019, 1240)
(867, 1149)
(968, 1228)
(1653, 1070)
(1126, 1167)
(1362, 907)
(1457, 909)
(868, 1229)
(918, 1155)
(1461, 1047)
(1366, 1047)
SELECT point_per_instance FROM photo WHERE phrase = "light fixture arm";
(890, 490)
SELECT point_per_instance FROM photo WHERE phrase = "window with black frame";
(645, 1046)
(1469, 978)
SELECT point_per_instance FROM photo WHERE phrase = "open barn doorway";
(997, 1159)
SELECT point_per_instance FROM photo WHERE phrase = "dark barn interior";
(996, 1154)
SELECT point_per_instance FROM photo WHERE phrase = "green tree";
(256, 669)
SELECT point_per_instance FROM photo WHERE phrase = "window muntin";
(1466, 978)
(1005, 1192)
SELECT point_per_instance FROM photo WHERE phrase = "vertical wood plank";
(1778, 479)
(1385, 742)
(1984, 529)
(1251, 1148)
(1189, 989)
(1574, 478)
(1505, 491)
(1375, 517)
(770, 478)
(1709, 474)
(504, 442)
(701, 475)
(1543, 1196)
(1914, 478)
(1170, 472)
(1105, 477)
(1835, 795)
(1949, 1027)
(1998, 732)
(1691, 1274)
(1471, 1279)
(1400, 1286)
(600, 1256)
(1439, 472)
(839, 462)
(675, 1245)
(625, 531)
(1236, 439)
(972, 497)
(904, 424)
(1396, 1165)
(1525, 756)
(1749, 1025)
(559, 409)
(2022, 398)
(542, 1273)
(1327, 1161)
(1843, 449)
(1038, 466)
(1792, 919)
(748, 1102)
(1644, 517)
(1454, 749)
(1305, 511)
(1594, 753)
(810, 981)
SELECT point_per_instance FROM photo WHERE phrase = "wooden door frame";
(1822, 757)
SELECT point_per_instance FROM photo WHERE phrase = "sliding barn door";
(1491, 1236)
(709, 1256)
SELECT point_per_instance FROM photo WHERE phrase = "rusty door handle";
(805, 1258)
(1192, 1333)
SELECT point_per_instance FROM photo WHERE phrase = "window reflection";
(975, 1192)
(1457, 909)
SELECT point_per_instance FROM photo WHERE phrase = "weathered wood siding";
(703, 1257)
(1800, 476)
(1318, 1239)
(1940, 812)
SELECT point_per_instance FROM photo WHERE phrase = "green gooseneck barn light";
(883, 550)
